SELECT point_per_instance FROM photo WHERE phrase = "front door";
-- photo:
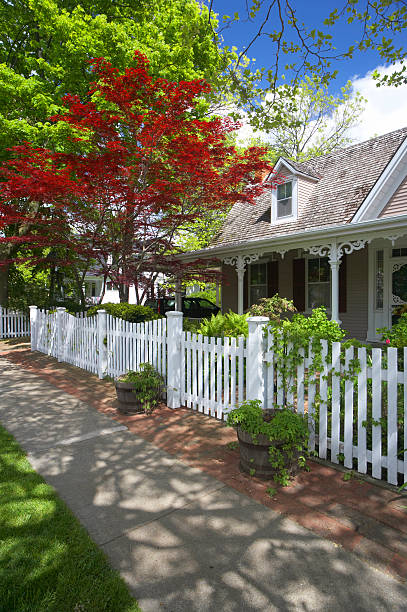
(398, 288)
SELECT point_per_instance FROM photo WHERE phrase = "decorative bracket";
(241, 261)
(335, 251)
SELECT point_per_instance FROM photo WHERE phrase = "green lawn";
(48, 563)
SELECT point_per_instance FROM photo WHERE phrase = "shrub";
(129, 312)
(148, 385)
(275, 308)
(287, 428)
(397, 335)
(221, 325)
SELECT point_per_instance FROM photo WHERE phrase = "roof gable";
(342, 182)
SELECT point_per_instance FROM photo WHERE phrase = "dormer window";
(284, 200)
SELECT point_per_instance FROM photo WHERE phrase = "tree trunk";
(4, 270)
(124, 293)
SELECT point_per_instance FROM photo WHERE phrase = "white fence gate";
(13, 324)
(358, 420)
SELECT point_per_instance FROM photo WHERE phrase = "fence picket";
(323, 409)
(348, 424)
(392, 415)
(376, 413)
(336, 402)
(219, 400)
(362, 411)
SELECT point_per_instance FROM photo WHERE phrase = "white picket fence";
(13, 324)
(360, 422)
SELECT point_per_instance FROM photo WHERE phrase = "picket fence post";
(254, 363)
(33, 327)
(60, 329)
(102, 347)
(174, 358)
(1, 322)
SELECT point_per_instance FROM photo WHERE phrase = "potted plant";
(272, 443)
(139, 391)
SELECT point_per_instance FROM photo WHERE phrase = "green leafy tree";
(318, 122)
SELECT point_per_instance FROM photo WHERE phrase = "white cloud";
(386, 107)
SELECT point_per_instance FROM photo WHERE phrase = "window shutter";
(299, 284)
(272, 278)
(246, 290)
(342, 285)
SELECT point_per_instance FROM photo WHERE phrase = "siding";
(229, 289)
(397, 204)
(355, 320)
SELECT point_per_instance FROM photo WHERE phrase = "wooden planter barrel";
(254, 454)
(128, 400)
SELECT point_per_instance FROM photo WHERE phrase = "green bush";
(148, 385)
(287, 427)
(129, 312)
(221, 325)
(275, 308)
(397, 335)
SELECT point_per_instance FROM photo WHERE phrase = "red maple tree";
(138, 164)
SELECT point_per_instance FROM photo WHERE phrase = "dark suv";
(194, 308)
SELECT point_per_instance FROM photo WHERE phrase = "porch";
(360, 277)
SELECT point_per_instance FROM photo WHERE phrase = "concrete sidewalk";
(183, 540)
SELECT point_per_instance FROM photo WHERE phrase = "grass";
(48, 563)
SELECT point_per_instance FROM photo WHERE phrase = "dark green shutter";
(299, 284)
(272, 278)
(342, 285)
(246, 290)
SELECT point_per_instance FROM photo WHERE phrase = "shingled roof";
(345, 179)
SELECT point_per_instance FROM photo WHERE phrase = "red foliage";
(138, 165)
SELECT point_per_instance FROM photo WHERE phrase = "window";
(399, 252)
(258, 282)
(284, 200)
(318, 283)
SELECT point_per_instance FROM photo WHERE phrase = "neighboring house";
(94, 291)
(333, 234)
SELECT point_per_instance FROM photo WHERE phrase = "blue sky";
(386, 107)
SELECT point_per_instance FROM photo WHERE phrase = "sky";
(385, 107)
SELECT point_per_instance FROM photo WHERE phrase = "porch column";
(217, 293)
(240, 261)
(334, 252)
(335, 263)
(178, 299)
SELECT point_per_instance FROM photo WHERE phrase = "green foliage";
(275, 308)
(209, 294)
(48, 561)
(46, 44)
(397, 335)
(27, 286)
(129, 312)
(221, 325)
(271, 491)
(286, 427)
(190, 325)
(148, 385)
(292, 340)
(315, 116)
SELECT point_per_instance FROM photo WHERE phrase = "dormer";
(292, 193)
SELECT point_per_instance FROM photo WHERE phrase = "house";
(334, 233)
